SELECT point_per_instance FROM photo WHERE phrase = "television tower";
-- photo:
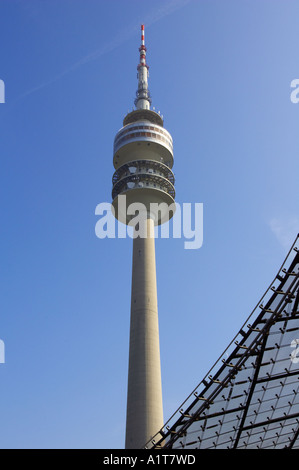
(143, 158)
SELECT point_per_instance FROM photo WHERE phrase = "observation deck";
(143, 173)
(141, 140)
(143, 158)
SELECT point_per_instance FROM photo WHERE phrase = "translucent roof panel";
(250, 398)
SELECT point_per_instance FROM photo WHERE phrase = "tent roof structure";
(250, 397)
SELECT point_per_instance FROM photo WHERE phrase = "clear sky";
(220, 73)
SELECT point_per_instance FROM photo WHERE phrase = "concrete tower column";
(144, 399)
(143, 161)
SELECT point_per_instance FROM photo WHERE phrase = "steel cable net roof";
(250, 397)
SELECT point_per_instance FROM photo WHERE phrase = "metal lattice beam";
(250, 399)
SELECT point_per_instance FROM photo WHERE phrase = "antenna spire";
(143, 100)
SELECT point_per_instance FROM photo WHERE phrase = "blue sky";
(220, 73)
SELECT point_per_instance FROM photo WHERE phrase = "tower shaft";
(144, 399)
(143, 161)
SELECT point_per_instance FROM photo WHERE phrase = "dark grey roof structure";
(250, 397)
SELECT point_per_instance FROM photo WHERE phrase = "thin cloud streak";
(119, 39)
(285, 230)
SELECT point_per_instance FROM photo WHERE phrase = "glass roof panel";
(250, 397)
